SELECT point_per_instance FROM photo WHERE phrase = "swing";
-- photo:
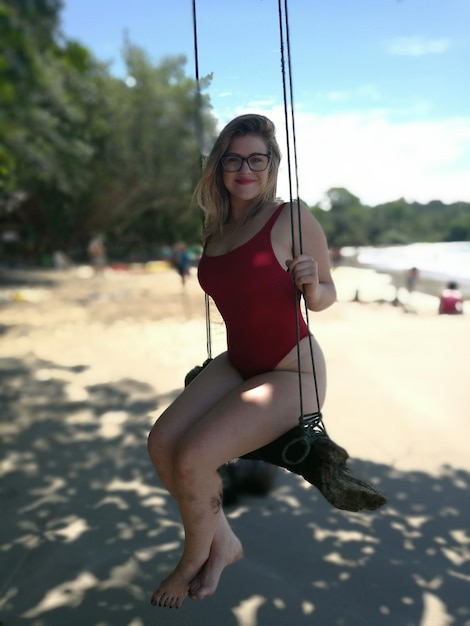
(306, 449)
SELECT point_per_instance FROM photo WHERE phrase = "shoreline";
(438, 263)
(355, 282)
(393, 285)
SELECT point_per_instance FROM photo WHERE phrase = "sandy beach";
(87, 531)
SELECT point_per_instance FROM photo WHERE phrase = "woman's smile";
(245, 181)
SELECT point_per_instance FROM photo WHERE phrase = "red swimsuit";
(257, 300)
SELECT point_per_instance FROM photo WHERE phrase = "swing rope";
(310, 424)
(199, 134)
(306, 449)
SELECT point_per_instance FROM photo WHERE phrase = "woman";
(248, 396)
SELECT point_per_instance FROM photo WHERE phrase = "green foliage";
(27, 32)
(349, 223)
(148, 170)
(83, 151)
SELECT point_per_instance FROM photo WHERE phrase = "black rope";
(288, 94)
(291, 203)
(199, 133)
(313, 420)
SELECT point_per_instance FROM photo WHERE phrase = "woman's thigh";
(312, 362)
(213, 383)
(248, 417)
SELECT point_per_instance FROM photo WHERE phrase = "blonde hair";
(211, 194)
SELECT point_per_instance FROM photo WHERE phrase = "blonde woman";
(248, 396)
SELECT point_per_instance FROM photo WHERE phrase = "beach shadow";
(30, 278)
(88, 531)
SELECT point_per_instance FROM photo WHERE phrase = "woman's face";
(246, 184)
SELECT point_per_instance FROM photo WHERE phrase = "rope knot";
(310, 428)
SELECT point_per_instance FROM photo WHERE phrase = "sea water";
(437, 262)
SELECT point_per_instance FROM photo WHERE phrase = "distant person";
(61, 260)
(451, 300)
(411, 279)
(181, 261)
(97, 253)
(336, 257)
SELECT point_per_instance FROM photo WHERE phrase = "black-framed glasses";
(257, 162)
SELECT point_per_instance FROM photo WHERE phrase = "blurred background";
(103, 125)
(103, 130)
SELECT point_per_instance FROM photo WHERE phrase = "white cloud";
(370, 92)
(374, 157)
(337, 96)
(367, 92)
(377, 159)
(416, 46)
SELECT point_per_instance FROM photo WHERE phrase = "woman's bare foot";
(226, 549)
(174, 589)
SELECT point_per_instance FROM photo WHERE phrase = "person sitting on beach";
(247, 396)
(451, 300)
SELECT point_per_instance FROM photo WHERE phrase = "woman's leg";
(226, 549)
(213, 383)
(248, 417)
(207, 580)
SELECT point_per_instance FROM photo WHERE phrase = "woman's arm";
(311, 269)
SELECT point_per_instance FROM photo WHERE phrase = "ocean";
(437, 263)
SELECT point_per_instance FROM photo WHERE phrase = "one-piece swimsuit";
(257, 300)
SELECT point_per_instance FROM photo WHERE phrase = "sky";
(380, 88)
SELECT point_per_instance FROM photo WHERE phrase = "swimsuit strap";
(267, 227)
(274, 216)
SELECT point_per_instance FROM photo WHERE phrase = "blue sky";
(381, 87)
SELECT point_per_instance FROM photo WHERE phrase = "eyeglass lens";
(256, 162)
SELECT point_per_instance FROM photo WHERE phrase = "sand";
(87, 531)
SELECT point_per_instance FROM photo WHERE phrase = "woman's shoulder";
(297, 214)
(294, 203)
(293, 209)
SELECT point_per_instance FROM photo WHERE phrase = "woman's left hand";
(304, 270)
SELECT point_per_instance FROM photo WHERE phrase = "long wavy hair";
(211, 194)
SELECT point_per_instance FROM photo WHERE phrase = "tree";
(44, 90)
(345, 222)
(349, 223)
(84, 151)
(148, 170)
